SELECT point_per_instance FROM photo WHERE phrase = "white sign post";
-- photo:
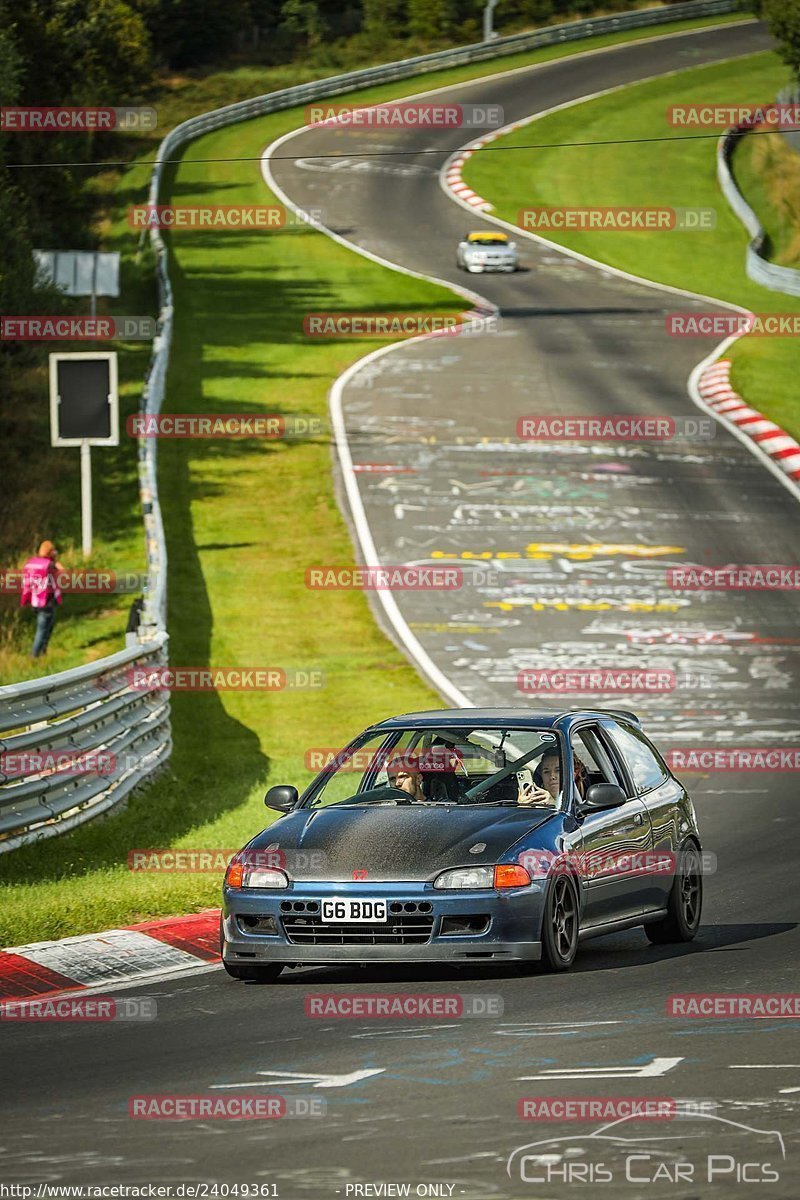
(84, 411)
(488, 14)
(86, 499)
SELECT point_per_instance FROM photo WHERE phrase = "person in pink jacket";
(40, 590)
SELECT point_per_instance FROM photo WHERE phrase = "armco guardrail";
(759, 268)
(74, 744)
(92, 710)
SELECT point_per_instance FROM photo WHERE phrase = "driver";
(403, 773)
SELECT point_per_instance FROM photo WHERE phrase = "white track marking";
(315, 1079)
(652, 1070)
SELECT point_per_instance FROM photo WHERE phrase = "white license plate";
(346, 911)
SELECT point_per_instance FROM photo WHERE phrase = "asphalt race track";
(437, 1103)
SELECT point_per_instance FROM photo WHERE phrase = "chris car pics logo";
(698, 1148)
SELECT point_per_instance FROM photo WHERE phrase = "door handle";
(638, 819)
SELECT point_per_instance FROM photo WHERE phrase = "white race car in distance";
(487, 250)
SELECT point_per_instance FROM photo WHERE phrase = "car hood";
(394, 843)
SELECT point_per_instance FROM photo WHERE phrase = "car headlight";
(504, 875)
(239, 875)
(465, 877)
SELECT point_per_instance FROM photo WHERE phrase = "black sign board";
(83, 399)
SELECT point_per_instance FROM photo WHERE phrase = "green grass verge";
(512, 176)
(243, 521)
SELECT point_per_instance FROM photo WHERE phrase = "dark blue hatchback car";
(468, 836)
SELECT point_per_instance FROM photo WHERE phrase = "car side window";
(648, 773)
(589, 751)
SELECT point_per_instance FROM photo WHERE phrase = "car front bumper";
(511, 934)
(479, 268)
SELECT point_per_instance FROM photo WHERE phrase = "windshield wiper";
(507, 804)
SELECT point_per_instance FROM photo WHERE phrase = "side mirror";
(282, 797)
(601, 796)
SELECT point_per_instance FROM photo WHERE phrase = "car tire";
(254, 972)
(560, 924)
(685, 903)
(560, 927)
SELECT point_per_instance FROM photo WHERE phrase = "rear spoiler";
(623, 714)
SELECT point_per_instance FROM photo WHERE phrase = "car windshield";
(481, 766)
(488, 241)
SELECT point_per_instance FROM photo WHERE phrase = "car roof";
(490, 234)
(491, 718)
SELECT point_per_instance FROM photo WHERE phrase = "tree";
(303, 19)
(18, 289)
(783, 20)
(433, 20)
(188, 33)
(384, 19)
(82, 52)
